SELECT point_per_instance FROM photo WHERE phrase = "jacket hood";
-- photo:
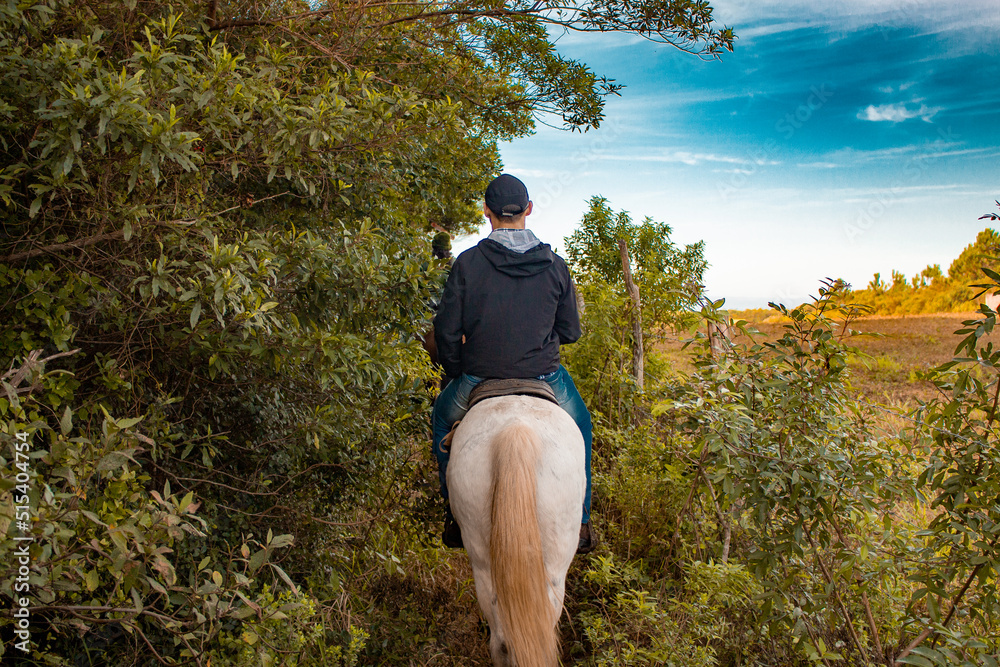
(517, 264)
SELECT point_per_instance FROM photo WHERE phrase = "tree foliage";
(959, 564)
(829, 508)
(669, 281)
(669, 277)
(215, 267)
(931, 291)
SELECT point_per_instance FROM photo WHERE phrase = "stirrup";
(588, 539)
(452, 533)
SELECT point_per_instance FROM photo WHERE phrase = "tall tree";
(668, 276)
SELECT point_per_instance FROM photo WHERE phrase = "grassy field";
(885, 370)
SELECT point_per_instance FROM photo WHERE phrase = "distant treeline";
(931, 291)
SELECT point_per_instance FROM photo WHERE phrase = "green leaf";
(93, 517)
(991, 273)
(284, 576)
(926, 656)
(185, 501)
(136, 600)
(242, 612)
(282, 541)
(112, 461)
(195, 314)
(257, 560)
(914, 659)
(927, 652)
(130, 422)
(156, 586)
(66, 423)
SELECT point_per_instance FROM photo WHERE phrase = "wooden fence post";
(638, 368)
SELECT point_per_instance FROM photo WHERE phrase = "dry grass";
(905, 346)
(886, 370)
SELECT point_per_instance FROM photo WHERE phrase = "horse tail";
(519, 579)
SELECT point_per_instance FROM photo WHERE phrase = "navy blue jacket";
(514, 310)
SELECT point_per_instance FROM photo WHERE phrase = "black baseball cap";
(506, 196)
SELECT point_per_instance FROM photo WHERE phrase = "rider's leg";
(571, 401)
(451, 405)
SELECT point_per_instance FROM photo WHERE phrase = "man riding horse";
(508, 305)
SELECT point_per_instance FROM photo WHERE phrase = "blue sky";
(835, 141)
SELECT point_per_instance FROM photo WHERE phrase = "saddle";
(502, 387)
(511, 387)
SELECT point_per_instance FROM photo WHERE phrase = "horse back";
(516, 481)
(559, 471)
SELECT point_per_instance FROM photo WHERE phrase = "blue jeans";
(453, 402)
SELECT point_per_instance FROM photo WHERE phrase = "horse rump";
(516, 561)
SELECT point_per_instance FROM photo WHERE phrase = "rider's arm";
(448, 324)
(567, 325)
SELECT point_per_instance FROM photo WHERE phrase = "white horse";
(516, 482)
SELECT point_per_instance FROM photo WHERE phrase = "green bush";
(286, 629)
(627, 625)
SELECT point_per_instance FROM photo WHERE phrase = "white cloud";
(967, 151)
(970, 14)
(897, 112)
(900, 88)
(531, 173)
(819, 165)
(768, 29)
(905, 155)
(691, 158)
